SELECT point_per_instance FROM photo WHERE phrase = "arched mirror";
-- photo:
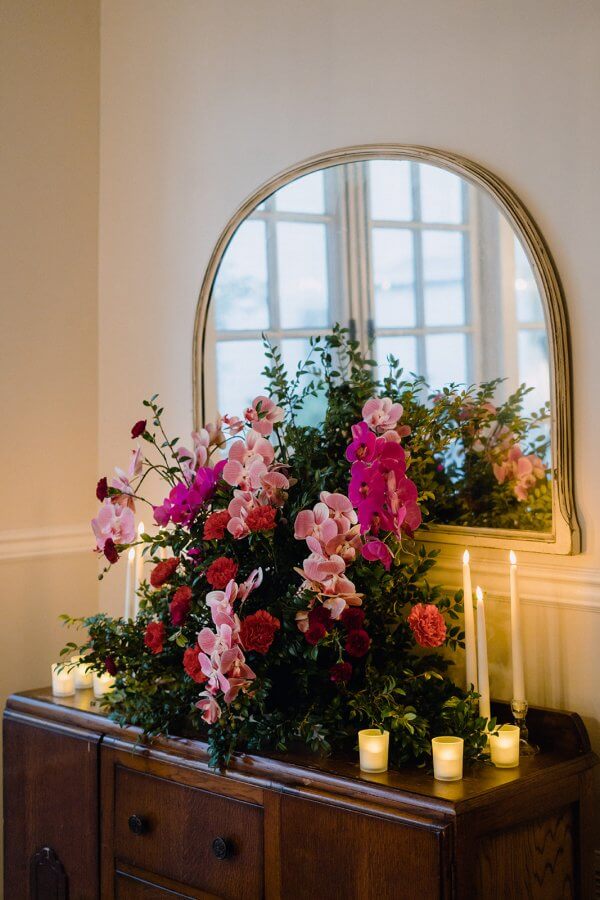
(436, 269)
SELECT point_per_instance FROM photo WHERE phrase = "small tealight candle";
(63, 682)
(83, 675)
(103, 684)
(504, 745)
(373, 746)
(447, 758)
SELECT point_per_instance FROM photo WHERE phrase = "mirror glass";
(426, 272)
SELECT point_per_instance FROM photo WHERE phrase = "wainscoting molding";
(55, 540)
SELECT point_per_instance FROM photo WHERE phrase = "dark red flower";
(221, 572)
(320, 615)
(215, 526)
(357, 643)
(154, 636)
(261, 518)
(110, 665)
(180, 605)
(258, 630)
(102, 489)
(341, 672)
(352, 618)
(138, 429)
(191, 664)
(110, 551)
(315, 633)
(163, 572)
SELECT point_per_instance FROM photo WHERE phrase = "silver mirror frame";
(565, 537)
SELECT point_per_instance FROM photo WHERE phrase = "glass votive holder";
(63, 682)
(373, 747)
(102, 684)
(83, 675)
(504, 746)
(447, 758)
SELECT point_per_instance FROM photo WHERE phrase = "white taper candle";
(470, 642)
(482, 658)
(129, 583)
(139, 569)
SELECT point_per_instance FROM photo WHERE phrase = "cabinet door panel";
(337, 854)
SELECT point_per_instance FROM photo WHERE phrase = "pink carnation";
(427, 625)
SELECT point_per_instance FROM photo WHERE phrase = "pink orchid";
(252, 582)
(378, 551)
(275, 486)
(340, 510)
(248, 461)
(302, 620)
(114, 522)
(315, 523)
(123, 481)
(191, 460)
(211, 711)
(263, 415)
(346, 545)
(233, 424)
(221, 602)
(381, 414)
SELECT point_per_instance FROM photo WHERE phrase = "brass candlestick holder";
(519, 711)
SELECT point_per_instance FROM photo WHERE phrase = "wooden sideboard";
(91, 813)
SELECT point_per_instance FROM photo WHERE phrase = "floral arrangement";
(287, 599)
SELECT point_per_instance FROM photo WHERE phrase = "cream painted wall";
(49, 102)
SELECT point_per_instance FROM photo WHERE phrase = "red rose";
(320, 615)
(163, 572)
(258, 630)
(427, 625)
(110, 665)
(154, 636)
(315, 633)
(138, 429)
(341, 672)
(215, 525)
(110, 551)
(221, 572)
(357, 642)
(180, 605)
(353, 618)
(191, 664)
(102, 490)
(261, 518)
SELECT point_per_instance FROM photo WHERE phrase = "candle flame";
(478, 593)
(513, 558)
(131, 554)
(141, 528)
(465, 557)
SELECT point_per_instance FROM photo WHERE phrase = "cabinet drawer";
(189, 835)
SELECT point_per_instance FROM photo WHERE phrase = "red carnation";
(357, 642)
(191, 664)
(180, 605)
(341, 672)
(163, 572)
(353, 618)
(258, 630)
(320, 615)
(261, 518)
(154, 636)
(110, 551)
(138, 429)
(221, 572)
(215, 525)
(102, 490)
(110, 665)
(315, 633)
(427, 625)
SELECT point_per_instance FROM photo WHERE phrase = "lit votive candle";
(103, 684)
(504, 746)
(447, 758)
(83, 675)
(373, 746)
(63, 682)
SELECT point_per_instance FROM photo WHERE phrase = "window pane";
(441, 195)
(240, 292)
(239, 364)
(295, 351)
(534, 370)
(302, 263)
(390, 190)
(393, 277)
(304, 195)
(443, 278)
(446, 356)
(529, 305)
(403, 348)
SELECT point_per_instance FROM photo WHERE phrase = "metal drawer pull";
(222, 848)
(137, 825)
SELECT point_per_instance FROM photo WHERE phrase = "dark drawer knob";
(221, 848)
(137, 825)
